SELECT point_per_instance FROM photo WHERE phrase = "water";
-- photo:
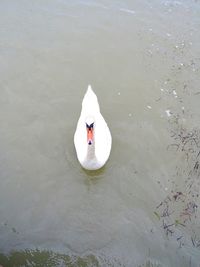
(142, 60)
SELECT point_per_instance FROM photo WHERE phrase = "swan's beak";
(90, 136)
(90, 133)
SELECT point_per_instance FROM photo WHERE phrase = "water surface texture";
(142, 59)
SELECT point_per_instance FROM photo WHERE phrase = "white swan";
(92, 138)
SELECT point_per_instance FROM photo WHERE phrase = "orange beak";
(90, 136)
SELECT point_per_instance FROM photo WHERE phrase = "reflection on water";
(142, 59)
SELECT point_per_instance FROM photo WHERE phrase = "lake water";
(142, 59)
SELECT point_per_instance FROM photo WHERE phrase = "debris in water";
(157, 215)
(168, 112)
(174, 92)
(127, 10)
(180, 207)
(150, 52)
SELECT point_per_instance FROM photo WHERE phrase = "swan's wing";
(103, 139)
(80, 138)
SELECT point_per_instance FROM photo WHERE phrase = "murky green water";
(142, 59)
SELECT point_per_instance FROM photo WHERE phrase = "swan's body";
(92, 138)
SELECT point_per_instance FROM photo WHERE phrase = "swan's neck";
(91, 152)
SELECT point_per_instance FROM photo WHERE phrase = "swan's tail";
(90, 101)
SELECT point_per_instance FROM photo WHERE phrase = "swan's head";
(90, 130)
